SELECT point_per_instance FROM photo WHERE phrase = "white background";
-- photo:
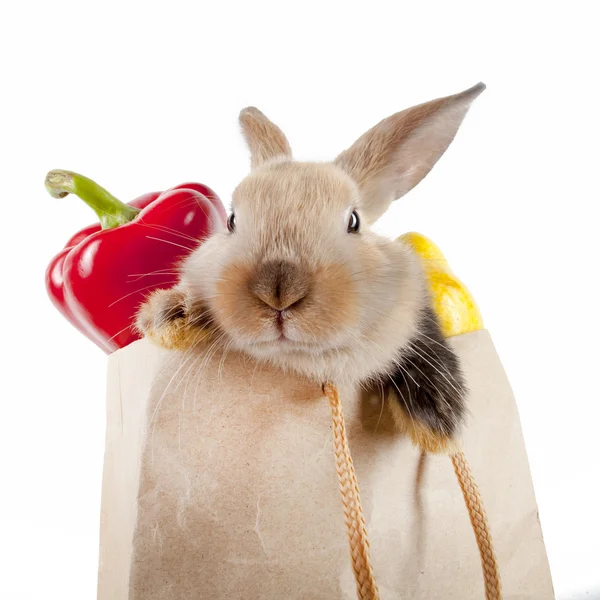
(142, 96)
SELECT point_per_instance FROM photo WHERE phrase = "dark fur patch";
(427, 380)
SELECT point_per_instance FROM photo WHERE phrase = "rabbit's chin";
(315, 360)
(282, 350)
(349, 359)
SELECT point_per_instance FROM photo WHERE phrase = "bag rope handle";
(470, 491)
(353, 512)
(355, 522)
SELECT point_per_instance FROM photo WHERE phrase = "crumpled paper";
(219, 482)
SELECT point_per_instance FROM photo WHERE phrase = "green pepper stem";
(111, 211)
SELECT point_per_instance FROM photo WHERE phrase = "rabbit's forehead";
(309, 188)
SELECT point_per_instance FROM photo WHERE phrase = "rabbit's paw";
(429, 439)
(173, 319)
(428, 390)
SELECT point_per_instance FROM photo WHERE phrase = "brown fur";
(280, 284)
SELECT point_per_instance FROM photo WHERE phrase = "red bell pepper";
(105, 271)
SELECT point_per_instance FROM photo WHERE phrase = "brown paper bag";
(220, 483)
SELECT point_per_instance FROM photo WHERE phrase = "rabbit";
(301, 281)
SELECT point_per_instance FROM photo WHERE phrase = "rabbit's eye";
(353, 223)
(231, 223)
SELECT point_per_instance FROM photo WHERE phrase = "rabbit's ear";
(392, 157)
(265, 140)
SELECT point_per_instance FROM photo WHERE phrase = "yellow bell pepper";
(455, 306)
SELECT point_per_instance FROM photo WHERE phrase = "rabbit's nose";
(280, 284)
